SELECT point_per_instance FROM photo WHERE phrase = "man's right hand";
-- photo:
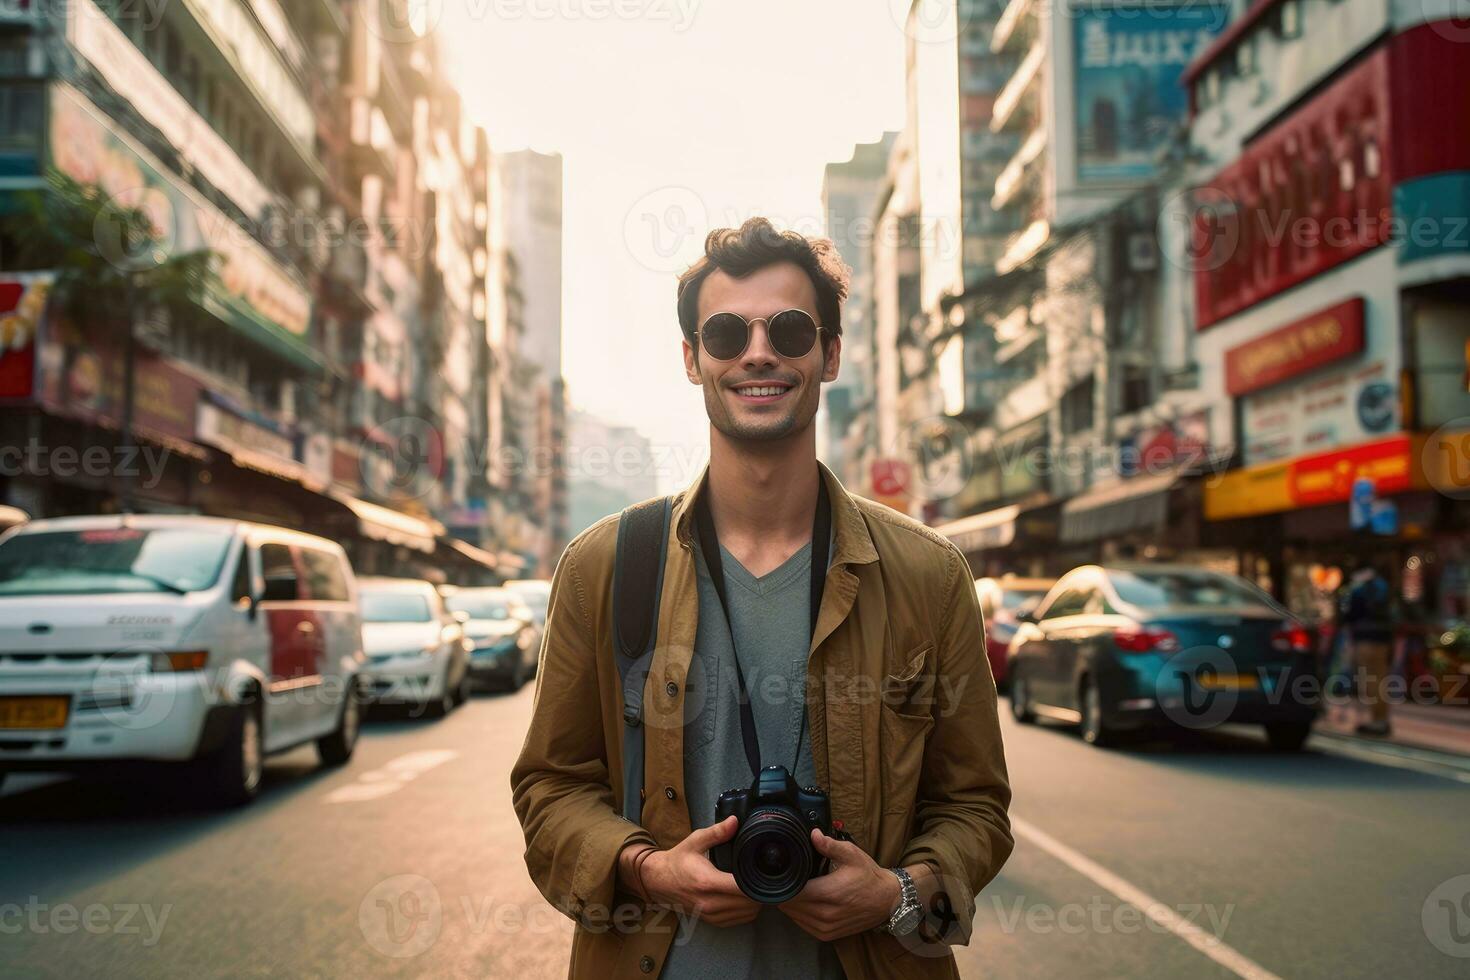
(683, 877)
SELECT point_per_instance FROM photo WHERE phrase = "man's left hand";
(854, 896)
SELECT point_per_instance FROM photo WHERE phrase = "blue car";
(1135, 647)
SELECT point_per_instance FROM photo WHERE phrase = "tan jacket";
(902, 718)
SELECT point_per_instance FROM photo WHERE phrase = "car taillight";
(1145, 639)
(1297, 639)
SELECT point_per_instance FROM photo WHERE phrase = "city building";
(533, 228)
(1332, 292)
(849, 192)
(329, 378)
(1066, 381)
(612, 466)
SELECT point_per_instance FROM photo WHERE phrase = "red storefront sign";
(890, 477)
(1304, 345)
(1317, 188)
(1311, 481)
(1328, 478)
(22, 303)
(1308, 195)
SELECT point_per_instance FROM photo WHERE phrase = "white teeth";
(762, 392)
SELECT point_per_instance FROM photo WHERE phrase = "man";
(1369, 620)
(883, 698)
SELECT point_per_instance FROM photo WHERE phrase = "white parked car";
(194, 640)
(416, 648)
(504, 638)
(537, 594)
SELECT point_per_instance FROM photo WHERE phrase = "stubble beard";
(721, 416)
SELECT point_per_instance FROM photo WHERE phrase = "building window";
(1077, 407)
(1245, 57)
(1290, 24)
(22, 108)
(1135, 394)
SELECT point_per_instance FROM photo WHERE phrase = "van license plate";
(33, 712)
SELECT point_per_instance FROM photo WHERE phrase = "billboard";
(1130, 96)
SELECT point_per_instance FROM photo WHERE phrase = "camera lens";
(773, 855)
(771, 860)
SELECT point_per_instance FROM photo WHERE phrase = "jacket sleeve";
(560, 784)
(961, 823)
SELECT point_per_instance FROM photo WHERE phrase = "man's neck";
(763, 497)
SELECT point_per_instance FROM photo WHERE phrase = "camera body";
(771, 854)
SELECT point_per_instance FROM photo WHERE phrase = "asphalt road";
(408, 863)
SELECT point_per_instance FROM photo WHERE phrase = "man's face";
(728, 400)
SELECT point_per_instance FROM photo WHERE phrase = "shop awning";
(1136, 504)
(477, 555)
(272, 465)
(265, 333)
(992, 529)
(389, 525)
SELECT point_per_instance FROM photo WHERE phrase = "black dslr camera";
(771, 854)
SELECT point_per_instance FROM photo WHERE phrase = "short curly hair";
(738, 252)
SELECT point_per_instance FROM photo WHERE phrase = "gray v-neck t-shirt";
(771, 622)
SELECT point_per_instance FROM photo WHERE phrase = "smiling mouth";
(762, 394)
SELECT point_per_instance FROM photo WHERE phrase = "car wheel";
(1288, 736)
(518, 675)
(231, 775)
(1021, 699)
(336, 748)
(1094, 729)
(462, 689)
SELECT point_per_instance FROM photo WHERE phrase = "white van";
(200, 641)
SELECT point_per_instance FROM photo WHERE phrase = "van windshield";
(394, 607)
(96, 561)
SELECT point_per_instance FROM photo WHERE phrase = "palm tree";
(111, 262)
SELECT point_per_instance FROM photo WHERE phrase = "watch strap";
(908, 899)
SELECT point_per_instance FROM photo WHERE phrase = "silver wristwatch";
(906, 917)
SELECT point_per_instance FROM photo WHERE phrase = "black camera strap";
(709, 544)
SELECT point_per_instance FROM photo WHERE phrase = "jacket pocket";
(701, 699)
(901, 740)
(908, 687)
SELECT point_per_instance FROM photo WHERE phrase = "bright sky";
(673, 117)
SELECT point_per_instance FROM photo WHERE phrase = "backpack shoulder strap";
(638, 578)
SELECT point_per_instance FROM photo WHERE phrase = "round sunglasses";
(726, 335)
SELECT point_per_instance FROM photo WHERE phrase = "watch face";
(907, 920)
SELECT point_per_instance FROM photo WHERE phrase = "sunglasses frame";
(699, 334)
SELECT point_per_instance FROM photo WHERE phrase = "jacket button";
(672, 688)
(646, 964)
(669, 792)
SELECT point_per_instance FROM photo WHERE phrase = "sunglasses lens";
(724, 336)
(793, 333)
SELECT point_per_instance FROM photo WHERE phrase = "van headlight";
(179, 661)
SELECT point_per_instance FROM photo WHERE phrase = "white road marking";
(1206, 943)
(377, 783)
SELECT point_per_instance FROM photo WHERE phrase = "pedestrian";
(811, 647)
(1368, 618)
